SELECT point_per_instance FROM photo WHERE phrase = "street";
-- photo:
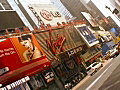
(107, 78)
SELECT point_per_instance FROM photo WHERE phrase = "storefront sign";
(49, 15)
(23, 56)
(73, 51)
(16, 83)
(95, 57)
(49, 76)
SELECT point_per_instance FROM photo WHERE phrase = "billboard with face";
(23, 56)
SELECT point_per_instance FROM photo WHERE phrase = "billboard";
(23, 56)
(87, 35)
(90, 19)
(47, 13)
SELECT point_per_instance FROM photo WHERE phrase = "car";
(93, 68)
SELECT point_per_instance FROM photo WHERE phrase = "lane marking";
(88, 88)
(112, 85)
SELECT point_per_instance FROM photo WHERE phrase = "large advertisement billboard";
(87, 35)
(90, 19)
(23, 56)
(47, 13)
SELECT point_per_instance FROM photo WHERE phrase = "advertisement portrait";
(87, 35)
(28, 48)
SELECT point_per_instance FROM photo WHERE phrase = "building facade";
(8, 16)
(77, 8)
(64, 50)
(62, 9)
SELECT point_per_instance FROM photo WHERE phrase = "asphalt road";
(107, 78)
(113, 82)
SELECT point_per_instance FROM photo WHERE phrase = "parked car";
(93, 68)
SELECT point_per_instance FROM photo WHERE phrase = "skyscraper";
(62, 9)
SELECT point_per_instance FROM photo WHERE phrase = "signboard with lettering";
(16, 83)
(48, 13)
(23, 56)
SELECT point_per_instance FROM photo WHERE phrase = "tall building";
(8, 16)
(62, 9)
(99, 17)
(107, 7)
(116, 4)
(94, 11)
(90, 11)
(75, 7)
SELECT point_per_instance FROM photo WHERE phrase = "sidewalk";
(88, 76)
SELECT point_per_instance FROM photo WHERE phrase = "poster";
(87, 35)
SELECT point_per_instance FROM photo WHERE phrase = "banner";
(23, 56)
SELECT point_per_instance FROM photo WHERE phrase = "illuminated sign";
(73, 51)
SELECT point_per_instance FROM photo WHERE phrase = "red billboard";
(23, 56)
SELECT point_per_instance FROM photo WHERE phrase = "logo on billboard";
(56, 44)
(46, 15)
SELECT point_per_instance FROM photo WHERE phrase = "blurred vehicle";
(118, 47)
(113, 52)
(93, 68)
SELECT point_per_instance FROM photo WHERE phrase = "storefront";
(43, 80)
(20, 84)
(93, 58)
(71, 68)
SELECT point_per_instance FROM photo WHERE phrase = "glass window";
(88, 68)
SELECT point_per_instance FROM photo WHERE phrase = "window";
(88, 68)
(94, 64)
